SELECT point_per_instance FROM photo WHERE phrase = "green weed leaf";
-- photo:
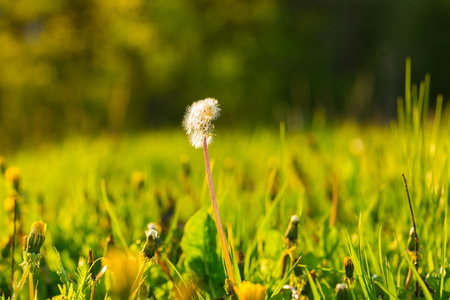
(199, 247)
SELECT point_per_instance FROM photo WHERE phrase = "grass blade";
(285, 279)
(116, 226)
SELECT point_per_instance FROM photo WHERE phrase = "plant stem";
(30, 282)
(92, 293)
(19, 287)
(416, 238)
(223, 241)
(138, 279)
(334, 207)
(13, 243)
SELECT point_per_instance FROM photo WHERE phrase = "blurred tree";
(94, 65)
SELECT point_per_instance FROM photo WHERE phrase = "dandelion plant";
(147, 254)
(198, 123)
(31, 256)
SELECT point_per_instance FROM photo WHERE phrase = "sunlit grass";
(86, 190)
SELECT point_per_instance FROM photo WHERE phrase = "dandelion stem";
(138, 279)
(30, 281)
(21, 283)
(416, 238)
(223, 242)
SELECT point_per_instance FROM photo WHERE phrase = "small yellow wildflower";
(9, 203)
(12, 175)
(138, 179)
(250, 291)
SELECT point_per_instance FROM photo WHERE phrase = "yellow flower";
(9, 202)
(12, 175)
(122, 271)
(2, 164)
(138, 179)
(250, 291)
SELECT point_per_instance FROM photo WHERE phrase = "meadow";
(342, 180)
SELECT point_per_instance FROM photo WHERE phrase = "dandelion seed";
(198, 120)
(150, 244)
(291, 233)
(341, 291)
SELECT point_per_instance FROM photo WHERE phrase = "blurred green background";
(96, 66)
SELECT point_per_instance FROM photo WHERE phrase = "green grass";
(83, 190)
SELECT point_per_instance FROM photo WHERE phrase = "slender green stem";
(13, 243)
(223, 241)
(19, 287)
(138, 279)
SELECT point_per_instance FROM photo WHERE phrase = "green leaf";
(199, 247)
(282, 296)
(314, 291)
(366, 284)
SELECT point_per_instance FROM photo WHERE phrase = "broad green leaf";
(199, 247)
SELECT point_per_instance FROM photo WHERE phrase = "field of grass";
(343, 181)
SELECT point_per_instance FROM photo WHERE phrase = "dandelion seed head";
(197, 121)
(341, 287)
(153, 234)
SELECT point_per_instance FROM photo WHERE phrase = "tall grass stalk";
(416, 238)
(137, 281)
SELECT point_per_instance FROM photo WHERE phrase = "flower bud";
(291, 233)
(348, 268)
(36, 238)
(150, 244)
(91, 264)
(341, 291)
(411, 240)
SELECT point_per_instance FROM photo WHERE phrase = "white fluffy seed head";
(153, 234)
(197, 121)
(341, 287)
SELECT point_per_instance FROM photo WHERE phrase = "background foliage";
(94, 65)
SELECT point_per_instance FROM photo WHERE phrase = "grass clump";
(316, 214)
